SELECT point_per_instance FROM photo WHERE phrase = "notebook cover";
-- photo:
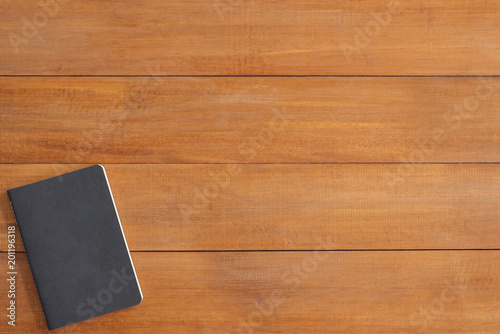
(75, 246)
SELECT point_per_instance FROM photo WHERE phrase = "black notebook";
(75, 246)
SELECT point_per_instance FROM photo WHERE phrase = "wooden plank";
(257, 37)
(325, 292)
(284, 207)
(249, 120)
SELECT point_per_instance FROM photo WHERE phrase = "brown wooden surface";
(324, 292)
(258, 37)
(289, 207)
(382, 151)
(249, 120)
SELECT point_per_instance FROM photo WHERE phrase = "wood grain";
(257, 37)
(242, 136)
(288, 207)
(312, 292)
(249, 120)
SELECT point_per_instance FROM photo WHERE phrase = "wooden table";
(279, 166)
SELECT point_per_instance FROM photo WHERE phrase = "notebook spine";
(27, 256)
